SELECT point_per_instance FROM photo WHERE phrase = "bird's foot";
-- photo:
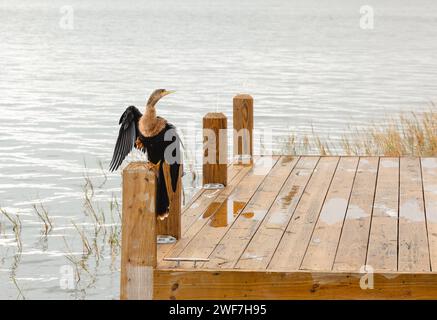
(162, 216)
(138, 144)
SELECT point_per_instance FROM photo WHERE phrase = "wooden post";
(171, 225)
(215, 148)
(243, 128)
(138, 256)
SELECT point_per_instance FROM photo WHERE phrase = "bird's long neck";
(150, 124)
(149, 118)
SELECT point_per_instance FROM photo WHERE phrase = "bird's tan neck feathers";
(150, 125)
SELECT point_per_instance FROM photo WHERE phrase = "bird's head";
(157, 95)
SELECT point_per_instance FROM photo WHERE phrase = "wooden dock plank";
(221, 217)
(383, 241)
(197, 207)
(429, 173)
(231, 246)
(213, 206)
(233, 168)
(352, 248)
(237, 284)
(323, 245)
(192, 213)
(413, 239)
(291, 249)
(262, 246)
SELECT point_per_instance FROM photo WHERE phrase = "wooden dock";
(294, 227)
(306, 228)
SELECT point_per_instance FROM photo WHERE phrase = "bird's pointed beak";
(167, 92)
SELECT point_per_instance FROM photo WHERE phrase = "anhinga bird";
(154, 135)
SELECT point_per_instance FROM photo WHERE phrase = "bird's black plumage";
(126, 137)
(163, 147)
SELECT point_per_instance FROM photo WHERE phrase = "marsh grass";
(407, 135)
(15, 221)
(87, 248)
(77, 263)
(103, 172)
(43, 215)
(115, 227)
(16, 225)
(20, 295)
(99, 232)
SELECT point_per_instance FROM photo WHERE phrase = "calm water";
(308, 65)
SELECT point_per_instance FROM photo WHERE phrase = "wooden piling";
(171, 225)
(215, 148)
(243, 127)
(138, 256)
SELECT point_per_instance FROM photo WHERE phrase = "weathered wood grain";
(243, 125)
(383, 242)
(263, 244)
(232, 245)
(215, 145)
(291, 249)
(352, 248)
(429, 172)
(138, 256)
(323, 245)
(221, 215)
(235, 284)
(413, 237)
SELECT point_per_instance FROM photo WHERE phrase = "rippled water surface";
(308, 65)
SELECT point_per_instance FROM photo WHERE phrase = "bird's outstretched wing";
(126, 137)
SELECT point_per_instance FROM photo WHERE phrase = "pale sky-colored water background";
(308, 65)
